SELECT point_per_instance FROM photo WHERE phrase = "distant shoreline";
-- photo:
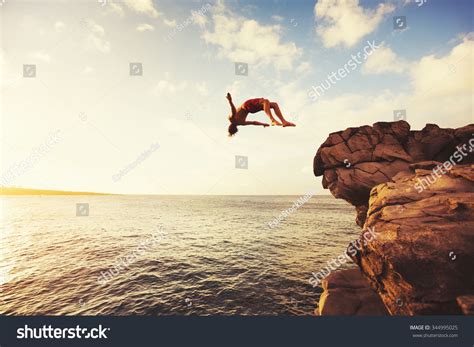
(28, 191)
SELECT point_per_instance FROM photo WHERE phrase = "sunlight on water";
(165, 255)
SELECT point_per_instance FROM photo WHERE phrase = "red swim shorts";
(253, 105)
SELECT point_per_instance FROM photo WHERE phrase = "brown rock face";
(345, 293)
(423, 256)
(355, 160)
(466, 303)
(415, 189)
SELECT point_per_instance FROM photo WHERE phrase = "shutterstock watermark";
(19, 168)
(196, 17)
(48, 332)
(131, 257)
(118, 176)
(336, 263)
(352, 64)
(439, 170)
(284, 214)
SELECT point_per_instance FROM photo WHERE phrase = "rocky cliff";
(355, 160)
(416, 190)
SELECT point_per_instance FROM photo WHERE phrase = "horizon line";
(35, 191)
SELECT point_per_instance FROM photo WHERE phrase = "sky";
(78, 117)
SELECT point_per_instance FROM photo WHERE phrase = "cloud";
(8, 72)
(384, 60)
(145, 27)
(199, 18)
(201, 88)
(439, 91)
(408, 2)
(87, 70)
(442, 76)
(59, 26)
(345, 22)
(42, 56)
(95, 37)
(116, 8)
(303, 67)
(278, 18)
(143, 7)
(167, 86)
(448, 75)
(3, 76)
(242, 39)
(292, 100)
(169, 23)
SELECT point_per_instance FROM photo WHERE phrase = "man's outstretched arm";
(254, 122)
(232, 107)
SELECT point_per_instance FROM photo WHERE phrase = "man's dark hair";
(232, 129)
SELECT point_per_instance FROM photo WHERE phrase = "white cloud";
(8, 75)
(95, 37)
(199, 18)
(169, 23)
(448, 75)
(42, 56)
(167, 86)
(145, 27)
(345, 22)
(143, 6)
(364, 109)
(384, 60)
(303, 67)
(201, 88)
(237, 87)
(87, 70)
(242, 39)
(116, 8)
(440, 93)
(3, 79)
(430, 72)
(292, 100)
(278, 18)
(59, 26)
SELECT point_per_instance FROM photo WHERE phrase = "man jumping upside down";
(239, 116)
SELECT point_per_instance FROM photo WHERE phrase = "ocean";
(167, 255)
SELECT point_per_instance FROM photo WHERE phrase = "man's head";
(232, 129)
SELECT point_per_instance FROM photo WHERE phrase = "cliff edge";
(415, 190)
(355, 160)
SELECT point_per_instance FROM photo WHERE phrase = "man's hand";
(229, 97)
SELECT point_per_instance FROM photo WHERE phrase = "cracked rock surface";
(422, 259)
(355, 160)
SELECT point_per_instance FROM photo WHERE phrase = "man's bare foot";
(288, 124)
(274, 122)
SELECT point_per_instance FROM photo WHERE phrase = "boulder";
(346, 292)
